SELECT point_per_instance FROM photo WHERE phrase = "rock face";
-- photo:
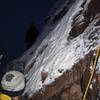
(61, 65)
(31, 35)
(67, 87)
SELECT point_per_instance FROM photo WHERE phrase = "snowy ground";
(56, 52)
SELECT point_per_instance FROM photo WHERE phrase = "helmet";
(13, 81)
(4, 97)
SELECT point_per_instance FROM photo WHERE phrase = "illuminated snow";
(56, 52)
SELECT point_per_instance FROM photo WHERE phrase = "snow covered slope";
(60, 50)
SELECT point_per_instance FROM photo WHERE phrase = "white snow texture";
(56, 52)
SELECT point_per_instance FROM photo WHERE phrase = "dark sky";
(15, 16)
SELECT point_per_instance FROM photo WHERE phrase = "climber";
(12, 85)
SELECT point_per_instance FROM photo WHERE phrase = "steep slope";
(56, 68)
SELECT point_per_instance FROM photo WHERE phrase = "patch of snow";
(79, 19)
(91, 87)
(91, 68)
(94, 81)
(86, 4)
(98, 66)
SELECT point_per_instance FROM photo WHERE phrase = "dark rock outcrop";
(88, 16)
(31, 35)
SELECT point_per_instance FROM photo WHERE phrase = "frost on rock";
(58, 52)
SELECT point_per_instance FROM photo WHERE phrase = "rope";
(94, 66)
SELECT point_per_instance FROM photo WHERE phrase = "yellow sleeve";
(4, 97)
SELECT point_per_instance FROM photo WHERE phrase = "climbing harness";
(94, 66)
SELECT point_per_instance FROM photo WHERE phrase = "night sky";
(15, 16)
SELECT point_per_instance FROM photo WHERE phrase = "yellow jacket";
(4, 97)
